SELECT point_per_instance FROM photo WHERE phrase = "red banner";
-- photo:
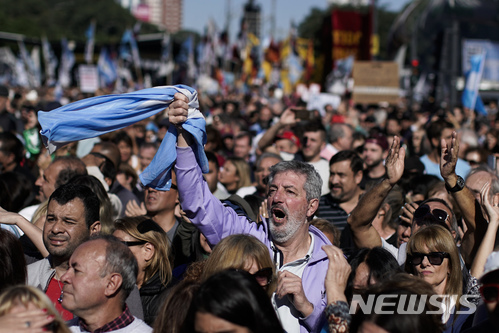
(351, 35)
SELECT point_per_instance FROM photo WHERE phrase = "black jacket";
(152, 295)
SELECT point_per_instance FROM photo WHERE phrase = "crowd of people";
(359, 218)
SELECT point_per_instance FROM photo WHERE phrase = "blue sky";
(196, 13)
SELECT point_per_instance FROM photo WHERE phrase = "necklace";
(59, 300)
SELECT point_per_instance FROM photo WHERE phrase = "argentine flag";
(470, 98)
(98, 115)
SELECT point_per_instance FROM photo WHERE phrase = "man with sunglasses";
(489, 291)
(294, 190)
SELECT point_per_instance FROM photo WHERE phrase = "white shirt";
(322, 167)
(286, 311)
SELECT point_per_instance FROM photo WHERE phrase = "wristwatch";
(458, 187)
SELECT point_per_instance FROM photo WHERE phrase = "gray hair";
(337, 130)
(313, 181)
(119, 259)
(267, 155)
(494, 185)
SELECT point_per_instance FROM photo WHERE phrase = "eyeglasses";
(490, 292)
(149, 225)
(437, 215)
(263, 276)
(472, 162)
(435, 258)
(133, 243)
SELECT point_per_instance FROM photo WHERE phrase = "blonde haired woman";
(28, 309)
(433, 256)
(243, 252)
(150, 246)
(235, 174)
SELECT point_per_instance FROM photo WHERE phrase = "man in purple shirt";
(294, 189)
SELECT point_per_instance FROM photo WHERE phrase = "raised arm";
(470, 207)
(487, 244)
(337, 310)
(287, 119)
(32, 231)
(360, 220)
(204, 210)
(177, 114)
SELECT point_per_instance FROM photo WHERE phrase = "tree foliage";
(67, 18)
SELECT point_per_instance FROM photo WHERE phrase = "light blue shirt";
(432, 168)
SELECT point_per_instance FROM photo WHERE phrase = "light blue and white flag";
(125, 52)
(33, 78)
(107, 68)
(89, 46)
(91, 117)
(470, 98)
(50, 61)
(129, 50)
(67, 63)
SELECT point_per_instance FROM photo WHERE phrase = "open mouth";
(278, 214)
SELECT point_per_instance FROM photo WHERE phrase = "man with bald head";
(58, 173)
(478, 177)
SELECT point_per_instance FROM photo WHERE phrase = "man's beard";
(282, 234)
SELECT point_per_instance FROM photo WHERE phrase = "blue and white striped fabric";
(470, 98)
(95, 116)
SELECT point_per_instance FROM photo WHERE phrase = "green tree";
(67, 18)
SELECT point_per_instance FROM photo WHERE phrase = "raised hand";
(133, 209)
(394, 162)
(448, 157)
(178, 109)
(288, 118)
(337, 274)
(29, 321)
(408, 212)
(491, 208)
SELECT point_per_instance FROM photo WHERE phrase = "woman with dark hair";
(12, 262)
(172, 314)
(20, 188)
(395, 316)
(234, 302)
(126, 146)
(369, 267)
(150, 246)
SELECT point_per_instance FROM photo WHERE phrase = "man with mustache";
(294, 189)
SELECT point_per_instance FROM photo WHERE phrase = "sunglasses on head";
(435, 258)
(149, 225)
(423, 212)
(263, 276)
(490, 292)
